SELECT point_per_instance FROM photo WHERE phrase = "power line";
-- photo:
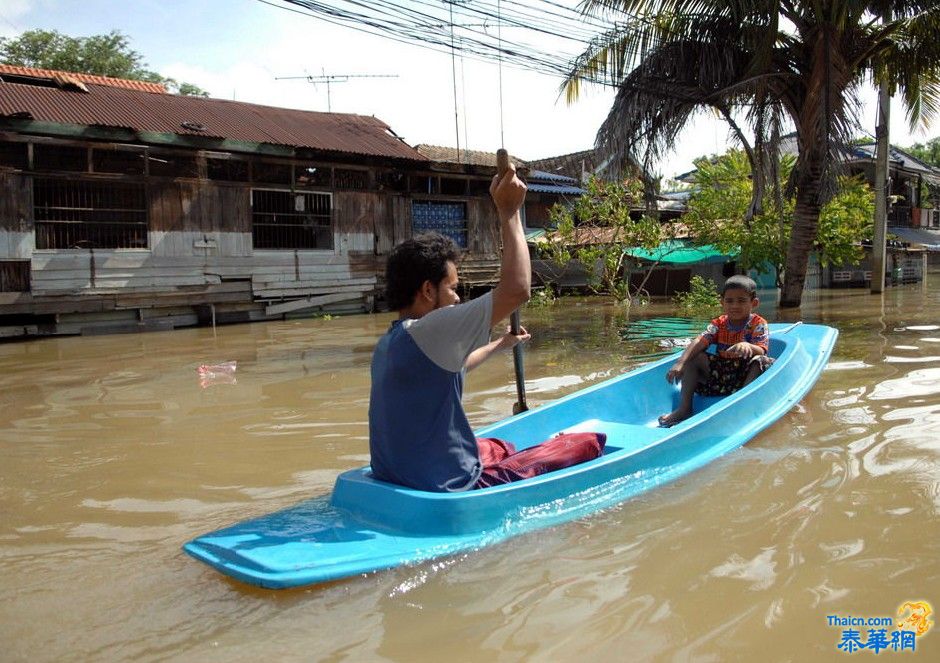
(427, 23)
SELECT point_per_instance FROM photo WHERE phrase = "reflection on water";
(657, 337)
(116, 450)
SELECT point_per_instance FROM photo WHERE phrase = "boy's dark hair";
(414, 261)
(740, 283)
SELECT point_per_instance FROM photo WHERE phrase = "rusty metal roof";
(110, 106)
(52, 74)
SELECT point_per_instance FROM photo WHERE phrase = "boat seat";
(619, 435)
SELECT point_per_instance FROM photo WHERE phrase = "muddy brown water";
(114, 453)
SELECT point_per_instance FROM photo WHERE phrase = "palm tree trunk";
(802, 235)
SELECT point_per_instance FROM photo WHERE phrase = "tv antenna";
(329, 79)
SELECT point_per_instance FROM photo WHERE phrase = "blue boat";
(368, 525)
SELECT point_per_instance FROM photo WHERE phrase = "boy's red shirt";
(724, 333)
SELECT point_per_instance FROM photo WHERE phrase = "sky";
(236, 49)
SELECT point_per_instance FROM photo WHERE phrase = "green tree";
(701, 300)
(103, 55)
(597, 230)
(718, 215)
(763, 64)
(929, 153)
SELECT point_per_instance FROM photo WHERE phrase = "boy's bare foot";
(671, 419)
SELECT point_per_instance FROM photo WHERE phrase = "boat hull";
(368, 525)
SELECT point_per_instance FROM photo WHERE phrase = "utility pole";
(329, 79)
(878, 250)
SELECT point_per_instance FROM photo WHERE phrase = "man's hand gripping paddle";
(502, 165)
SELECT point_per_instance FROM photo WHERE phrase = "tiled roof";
(138, 111)
(471, 157)
(52, 74)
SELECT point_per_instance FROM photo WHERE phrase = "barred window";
(312, 175)
(78, 214)
(291, 219)
(356, 180)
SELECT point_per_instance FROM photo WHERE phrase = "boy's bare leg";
(753, 371)
(695, 372)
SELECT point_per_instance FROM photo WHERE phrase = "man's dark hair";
(744, 283)
(414, 261)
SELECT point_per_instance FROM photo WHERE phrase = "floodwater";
(115, 451)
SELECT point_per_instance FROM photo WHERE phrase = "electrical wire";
(522, 28)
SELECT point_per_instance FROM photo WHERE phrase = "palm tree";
(763, 65)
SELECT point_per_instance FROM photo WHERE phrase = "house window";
(77, 214)
(423, 184)
(228, 170)
(172, 165)
(356, 180)
(14, 155)
(479, 187)
(60, 157)
(291, 219)
(312, 175)
(272, 173)
(452, 186)
(447, 218)
(124, 162)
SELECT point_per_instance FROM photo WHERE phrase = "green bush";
(541, 297)
(701, 301)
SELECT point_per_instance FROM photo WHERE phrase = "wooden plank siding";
(195, 206)
(200, 252)
(17, 239)
(16, 202)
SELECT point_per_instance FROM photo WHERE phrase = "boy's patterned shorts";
(726, 374)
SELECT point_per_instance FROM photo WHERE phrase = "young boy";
(742, 338)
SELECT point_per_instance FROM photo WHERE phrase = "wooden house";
(125, 208)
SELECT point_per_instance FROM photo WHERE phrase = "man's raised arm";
(515, 273)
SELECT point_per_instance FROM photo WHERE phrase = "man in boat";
(419, 435)
(742, 338)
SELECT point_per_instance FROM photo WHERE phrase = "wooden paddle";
(502, 165)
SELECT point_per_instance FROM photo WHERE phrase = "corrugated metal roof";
(550, 177)
(143, 86)
(534, 234)
(471, 157)
(554, 188)
(109, 106)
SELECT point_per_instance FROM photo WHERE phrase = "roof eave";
(190, 141)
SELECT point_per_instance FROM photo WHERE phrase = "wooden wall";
(16, 198)
(200, 253)
(199, 206)
(17, 239)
